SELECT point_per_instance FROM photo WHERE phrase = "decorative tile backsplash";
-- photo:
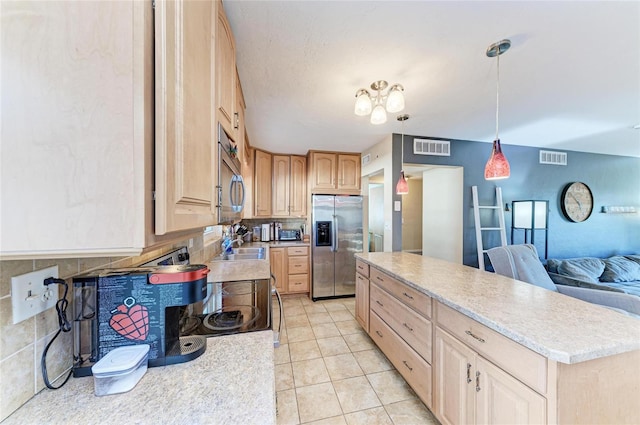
(21, 345)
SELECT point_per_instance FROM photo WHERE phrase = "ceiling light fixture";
(402, 188)
(391, 101)
(497, 166)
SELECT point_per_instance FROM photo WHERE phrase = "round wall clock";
(576, 202)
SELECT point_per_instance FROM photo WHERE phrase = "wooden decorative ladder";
(479, 228)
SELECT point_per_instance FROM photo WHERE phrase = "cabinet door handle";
(407, 365)
(468, 373)
(407, 295)
(380, 279)
(379, 303)
(236, 117)
(476, 337)
(408, 327)
(477, 381)
(379, 334)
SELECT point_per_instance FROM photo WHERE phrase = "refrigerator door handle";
(335, 232)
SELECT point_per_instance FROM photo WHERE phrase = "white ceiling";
(570, 81)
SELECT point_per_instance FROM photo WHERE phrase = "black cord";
(64, 326)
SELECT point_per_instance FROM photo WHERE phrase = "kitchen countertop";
(556, 326)
(232, 383)
(229, 271)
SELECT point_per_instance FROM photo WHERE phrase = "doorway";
(432, 212)
(376, 212)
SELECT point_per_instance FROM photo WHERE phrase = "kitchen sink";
(256, 251)
(243, 254)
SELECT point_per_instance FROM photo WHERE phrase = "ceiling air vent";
(366, 159)
(431, 147)
(553, 158)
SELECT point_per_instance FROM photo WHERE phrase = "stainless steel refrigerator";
(336, 237)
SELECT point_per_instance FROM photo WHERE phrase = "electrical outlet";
(29, 294)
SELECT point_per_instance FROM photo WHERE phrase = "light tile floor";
(328, 370)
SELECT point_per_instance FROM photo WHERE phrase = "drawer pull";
(380, 279)
(476, 337)
(360, 267)
(477, 381)
(379, 303)
(408, 327)
(379, 334)
(407, 365)
(468, 373)
(407, 295)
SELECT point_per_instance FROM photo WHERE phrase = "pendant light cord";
(497, 92)
(402, 146)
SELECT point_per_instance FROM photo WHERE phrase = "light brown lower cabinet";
(413, 368)
(290, 267)
(469, 389)
(480, 376)
(362, 301)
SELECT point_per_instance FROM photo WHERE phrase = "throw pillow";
(620, 269)
(588, 269)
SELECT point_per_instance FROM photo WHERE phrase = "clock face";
(577, 202)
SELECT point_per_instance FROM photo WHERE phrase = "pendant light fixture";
(497, 166)
(402, 188)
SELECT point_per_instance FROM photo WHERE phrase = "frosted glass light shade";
(523, 211)
(363, 103)
(497, 166)
(395, 101)
(379, 115)
(402, 188)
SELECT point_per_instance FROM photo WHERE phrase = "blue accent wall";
(613, 180)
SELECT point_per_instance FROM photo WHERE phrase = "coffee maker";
(138, 305)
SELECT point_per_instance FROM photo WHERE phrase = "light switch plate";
(397, 206)
(29, 294)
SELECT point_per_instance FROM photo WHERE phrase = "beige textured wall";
(21, 345)
(412, 216)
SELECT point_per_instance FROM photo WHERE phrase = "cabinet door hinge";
(154, 195)
(153, 5)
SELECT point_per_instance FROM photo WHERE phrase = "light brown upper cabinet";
(185, 135)
(298, 187)
(239, 119)
(225, 74)
(289, 186)
(79, 178)
(262, 184)
(247, 175)
(334, 172)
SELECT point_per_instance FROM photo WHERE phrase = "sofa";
(620, 273)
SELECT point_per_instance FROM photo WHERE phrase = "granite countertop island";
(556, 326)
(231, 383)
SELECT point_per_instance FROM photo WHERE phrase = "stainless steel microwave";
(230, 187)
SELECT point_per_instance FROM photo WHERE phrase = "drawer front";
(298, 283)
(412, 327)
(362, 268)
(518, 360)
(298, 265)
(411, 366)
(298, 250)
(418, 301)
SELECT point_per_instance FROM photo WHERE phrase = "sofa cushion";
(588, 269)
(620, 269)
(633, 257)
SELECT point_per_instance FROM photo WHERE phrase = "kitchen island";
(231, 383)
(493, 349)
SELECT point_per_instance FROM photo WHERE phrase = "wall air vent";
(553, 157)
(366, 159)
(431, 147)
